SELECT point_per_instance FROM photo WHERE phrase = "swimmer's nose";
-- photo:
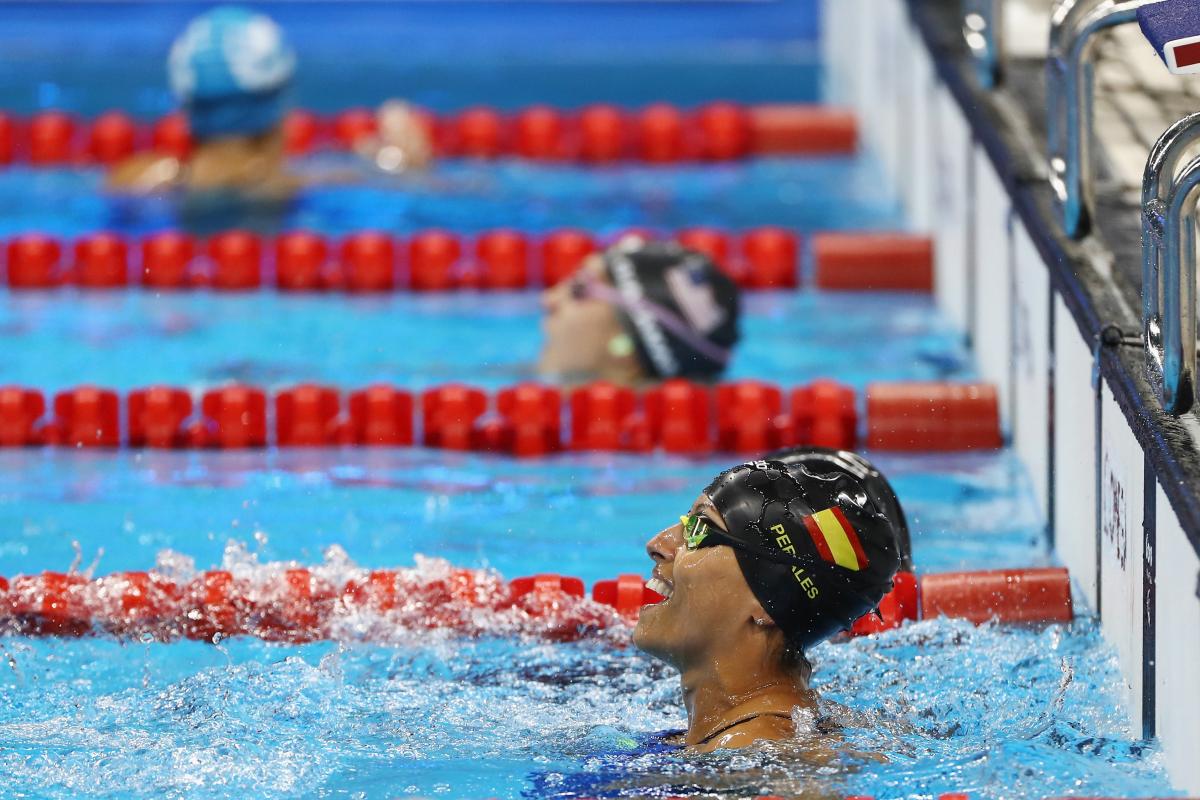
(662, 546)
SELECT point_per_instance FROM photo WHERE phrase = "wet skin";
(580, 332)
(257, 165)
(726, 647)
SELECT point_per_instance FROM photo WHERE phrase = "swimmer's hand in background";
(402, 142)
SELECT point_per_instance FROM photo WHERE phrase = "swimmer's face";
(708, 605)
(579, 329)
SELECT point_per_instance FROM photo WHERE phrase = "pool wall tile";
(990, 313)
(1177, 651)
(1074, 448)
(1122, 473)
(952, 164)
(1031, 360)
(1112, 524)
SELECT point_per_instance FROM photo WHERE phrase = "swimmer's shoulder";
(765, 728)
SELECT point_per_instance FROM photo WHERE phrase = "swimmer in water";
(769, 561)
(639, 312)
(231, 69)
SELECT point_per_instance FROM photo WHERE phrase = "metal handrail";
(1070, 94)
(983, 30)
(1169, 265)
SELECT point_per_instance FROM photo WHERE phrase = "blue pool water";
(131, 339)
(1000, 712)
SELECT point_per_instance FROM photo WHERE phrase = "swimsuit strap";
(741, 720)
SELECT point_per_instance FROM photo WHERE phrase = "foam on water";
(1003, 713)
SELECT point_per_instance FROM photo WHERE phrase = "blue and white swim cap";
(229, 68)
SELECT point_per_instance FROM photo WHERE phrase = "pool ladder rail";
(1169, 198)
(1070, 97)
(1070, 85)
(983, 31)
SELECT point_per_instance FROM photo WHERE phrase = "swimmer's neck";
(721, 692)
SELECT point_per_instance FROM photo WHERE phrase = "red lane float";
(603, 134)
(627, 594)
(20, 412)
(539, 133)
(449, 416)
(662, 135)
(503, 260)
(236, 261)
(167, 260)
(933, 416)
(235, 417)
(112, 137)
(381, 416)
(33, 262)
(8, 138)
(825, 414)
(157, 415)
(771, 259)
(750, 418)
(802, 130)
(368, 262)
(873, 261)
(659, 133)
(679, 416)
(101, 262)
(533, 417)
(301, 258)
(562, 253)
(297, 604)
(354, 125)
(759, 258)
(1011, 596)
(307, 416)
(725, 131)
(301, 132)
(86, 417)
(600, 415)
(479, 133)
(51, 138)
(170, 136)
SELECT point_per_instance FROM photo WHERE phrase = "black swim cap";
(836, 551)
(680, 310)
(824, 460)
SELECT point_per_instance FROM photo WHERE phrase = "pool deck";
(1099, 278)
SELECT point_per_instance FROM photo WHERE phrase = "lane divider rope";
(525, 420)
(298, 604)
(597, 134)
(765, 257)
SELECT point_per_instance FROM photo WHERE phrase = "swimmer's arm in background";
(145, 173)
(402, 141)
(401, 145)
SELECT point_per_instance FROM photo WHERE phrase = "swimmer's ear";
(760, 617)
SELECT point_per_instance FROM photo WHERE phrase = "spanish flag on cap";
(835, 538)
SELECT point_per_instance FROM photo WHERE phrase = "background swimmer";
(769, 561)
(231, 69)
(641, 311)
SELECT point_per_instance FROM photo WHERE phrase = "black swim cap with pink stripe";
(678, 307)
